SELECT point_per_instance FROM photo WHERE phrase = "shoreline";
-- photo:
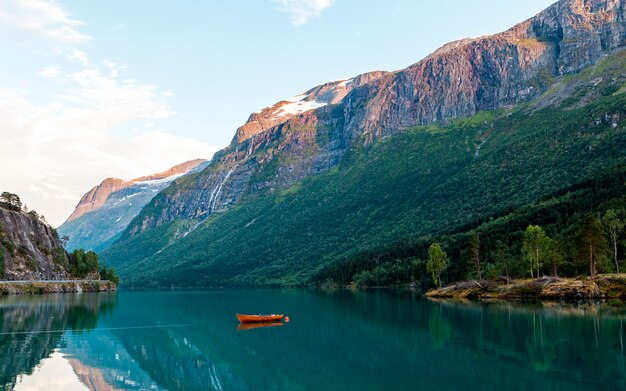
(602, 287)
(45, 287)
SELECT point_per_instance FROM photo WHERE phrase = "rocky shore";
(605, 286)
(43, 287)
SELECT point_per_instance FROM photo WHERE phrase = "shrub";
(109, 274)
(83, 263)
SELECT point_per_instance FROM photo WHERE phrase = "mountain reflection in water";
(343, 340)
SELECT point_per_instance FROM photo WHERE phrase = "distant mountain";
(105, 211)
(480, 125)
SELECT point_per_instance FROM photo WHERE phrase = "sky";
(91, 89)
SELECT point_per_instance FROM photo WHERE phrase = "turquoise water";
(340, 340)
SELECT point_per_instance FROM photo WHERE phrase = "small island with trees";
(536, 273)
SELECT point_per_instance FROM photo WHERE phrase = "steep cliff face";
(95, 198)
(29, 248)
(310, 133)
(107, 209)
(326, 94)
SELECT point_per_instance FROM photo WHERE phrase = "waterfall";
(217, 190)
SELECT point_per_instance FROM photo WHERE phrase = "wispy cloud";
(97, 125)
(301, 11)
(45, 17)
(97, 122)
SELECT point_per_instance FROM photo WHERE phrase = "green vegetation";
(535, 248)
(108, 274)
(475, 253)
(2, 266)
(11, 201)
(83, 263)
(437, 262)
(614, 227)
(379, 210)
(31, 263)
(564, 215)
(591, 243)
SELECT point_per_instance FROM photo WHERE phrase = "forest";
(577, 231)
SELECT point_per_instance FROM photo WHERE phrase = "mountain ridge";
(105, 211)
(456, 81)
(463, 94)
(97, 196)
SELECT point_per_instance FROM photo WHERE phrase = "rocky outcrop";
(29, 248)
(95, 198)
(607, 286)
(309, 134)
(107, 209)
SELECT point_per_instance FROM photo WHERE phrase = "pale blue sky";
(123, 88)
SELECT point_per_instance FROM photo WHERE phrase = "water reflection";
(52, 374)
(31, 327)
(257, 325)
(339, 340)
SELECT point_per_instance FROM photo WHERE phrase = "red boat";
(259, 318)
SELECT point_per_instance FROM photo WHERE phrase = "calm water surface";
(341, 340)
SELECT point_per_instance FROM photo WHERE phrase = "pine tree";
(475, 253)
(613, 226)
(591, 242)
(554, 254)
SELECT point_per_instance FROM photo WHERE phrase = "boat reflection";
(256, 325)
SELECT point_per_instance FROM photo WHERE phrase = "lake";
(335, 340)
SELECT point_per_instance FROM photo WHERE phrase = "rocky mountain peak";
(179, 169)
(310, 133)
(325, 94)
(96, 197)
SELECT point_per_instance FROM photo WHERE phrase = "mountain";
(29, 248)
(104, 211)
(481, 125)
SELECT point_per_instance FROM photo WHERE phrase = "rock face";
(29, 248)
(309, 134)
(605, 286)
(107, 209)
(96, 198)
(326, 94)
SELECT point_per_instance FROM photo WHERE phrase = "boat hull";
(259, 318)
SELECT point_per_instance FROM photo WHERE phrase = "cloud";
(42, 17)
(85, 120)
(301, 11)
(51, 72)
(52, 153)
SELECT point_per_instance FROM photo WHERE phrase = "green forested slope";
(427, 180)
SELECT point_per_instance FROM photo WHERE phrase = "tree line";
(596, 243)
(83, 263)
